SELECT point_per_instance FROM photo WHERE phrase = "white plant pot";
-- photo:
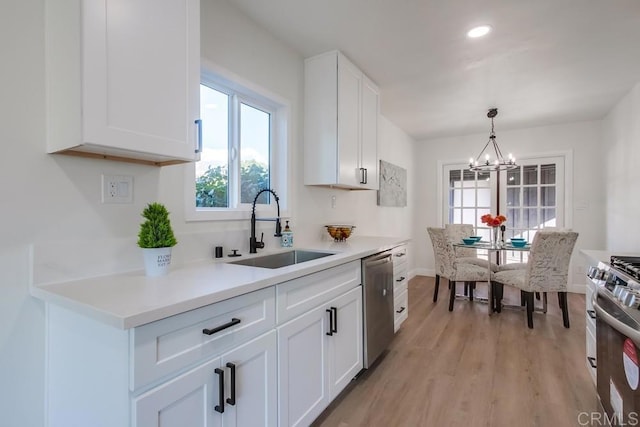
(156, 261)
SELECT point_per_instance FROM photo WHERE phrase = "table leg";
(490, 303)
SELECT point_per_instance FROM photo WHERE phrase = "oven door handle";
(613, 322)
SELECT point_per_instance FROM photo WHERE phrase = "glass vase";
(494, 236)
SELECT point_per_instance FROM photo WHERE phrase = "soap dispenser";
(287, 237)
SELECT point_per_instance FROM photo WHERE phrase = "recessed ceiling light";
(480, 31)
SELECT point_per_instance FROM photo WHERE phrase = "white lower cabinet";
(319, 354)
(280, 355)
(247, 377)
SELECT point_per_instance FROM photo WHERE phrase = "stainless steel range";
(630, 265)
(617, 307)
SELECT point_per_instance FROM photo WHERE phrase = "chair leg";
(498, 292)
(559, 300)
(544, 302)
(538, 296)
(522, 298)
(565, 308)
(529, 303)
(435, 291)
(466, 289)
(472, 286)
(452, 294)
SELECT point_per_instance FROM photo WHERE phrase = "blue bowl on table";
(518, 243)
(476, 238)
(468, 241)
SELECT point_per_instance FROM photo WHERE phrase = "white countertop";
(132, 299)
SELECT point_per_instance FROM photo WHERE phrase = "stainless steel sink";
(282, 259)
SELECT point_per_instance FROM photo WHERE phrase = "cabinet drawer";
(591, 353)
(401, 309)
(400, 281)
(591, 323)
(400, 286)
(298, 296)
(590, 288)
(399, 257)
(169, 345)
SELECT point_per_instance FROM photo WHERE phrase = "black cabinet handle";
(400, 279)
(220, 406)
(362, 178)
(366, 176)
(234, 321)
(335, 319)
(232, 400)
(592, 361)
(401, 310)
(399, 254)
(330, 333)
(591, 313)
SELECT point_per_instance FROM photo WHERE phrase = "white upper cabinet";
(341, 124)
(123, 79)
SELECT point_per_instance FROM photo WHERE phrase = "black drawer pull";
(330, 333)
(592, 361)
(401, 310)
(335, 319)
(591, 313)
(220, 406)
(400, 254)
(400, 279)
(232, 399)
(234, 321)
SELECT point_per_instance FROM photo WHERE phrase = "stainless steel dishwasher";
(377, 289)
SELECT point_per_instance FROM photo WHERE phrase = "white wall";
(622, 158)
(583, 139)
(53, 198)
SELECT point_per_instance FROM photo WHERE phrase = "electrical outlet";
(117, 189)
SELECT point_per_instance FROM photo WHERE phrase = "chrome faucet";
(253, 242)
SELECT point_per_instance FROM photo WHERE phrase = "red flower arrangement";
(493, 221)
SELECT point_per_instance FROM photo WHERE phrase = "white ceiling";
(546, 61)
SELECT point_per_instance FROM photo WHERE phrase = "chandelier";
(484, 163)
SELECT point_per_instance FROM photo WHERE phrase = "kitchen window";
(244, 149)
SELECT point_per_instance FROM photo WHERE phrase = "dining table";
(497, 249)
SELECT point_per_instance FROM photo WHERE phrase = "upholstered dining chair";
(457, 232)
(547, 270)
(449, 267)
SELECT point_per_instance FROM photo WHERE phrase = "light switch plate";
(117, 189)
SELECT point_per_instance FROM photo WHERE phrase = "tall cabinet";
(123, 79)
(341, 124)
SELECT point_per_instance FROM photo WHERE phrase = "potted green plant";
(156, 239)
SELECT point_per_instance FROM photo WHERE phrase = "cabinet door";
(369, 143)
(303, 378)
(255, 383)
(141, 70)
(349, 78)
(187, 400)
(345, 345)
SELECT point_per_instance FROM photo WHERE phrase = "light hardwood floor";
(464, 368)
